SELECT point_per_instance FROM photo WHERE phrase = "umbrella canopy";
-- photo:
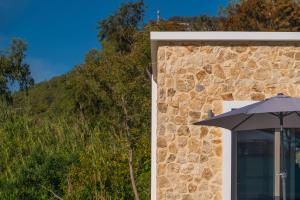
(276, 112)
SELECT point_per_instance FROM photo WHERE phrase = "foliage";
(47, 98)
(67, 157)
(119, 28)
(198, 23)
(114, 90)
(266, 15)
(12, 68)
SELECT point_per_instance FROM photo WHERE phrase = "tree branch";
(53, 193)
(149, 74)
(130, 150)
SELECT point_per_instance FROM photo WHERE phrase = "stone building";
(195, 73)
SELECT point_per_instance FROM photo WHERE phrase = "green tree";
(115, 91)
(198, 23)
(120, 27)
(13, 69)
(262, 15)
(116, 83)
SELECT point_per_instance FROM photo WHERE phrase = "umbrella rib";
(297, 114)
(289, 113)
(243, 121)
(274, 114)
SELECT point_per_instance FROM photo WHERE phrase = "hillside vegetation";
(86, 134)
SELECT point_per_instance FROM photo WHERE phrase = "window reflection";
(291, 162)
(255, 164)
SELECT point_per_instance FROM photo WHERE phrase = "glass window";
(254, 164)
(291, 163)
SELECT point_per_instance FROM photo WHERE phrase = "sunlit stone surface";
(196, 77)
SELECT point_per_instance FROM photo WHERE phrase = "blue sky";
(60, 32)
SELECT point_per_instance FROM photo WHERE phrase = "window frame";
(227, 176)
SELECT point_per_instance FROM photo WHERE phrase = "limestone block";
(162, 182)
(161, 142)
(207, 174)
(183, 131)
(185, 84)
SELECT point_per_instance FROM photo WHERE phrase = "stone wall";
(195, 77)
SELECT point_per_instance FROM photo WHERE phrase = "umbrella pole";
(283, 173)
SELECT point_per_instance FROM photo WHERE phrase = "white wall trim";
(227, 149)
(153, 138)
(225, 36)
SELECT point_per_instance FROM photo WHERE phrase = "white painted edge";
(227, 149)
(225, 36)
(153, 138)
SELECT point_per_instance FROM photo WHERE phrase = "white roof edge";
(225, 36)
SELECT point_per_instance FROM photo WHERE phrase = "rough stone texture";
(196, 77)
